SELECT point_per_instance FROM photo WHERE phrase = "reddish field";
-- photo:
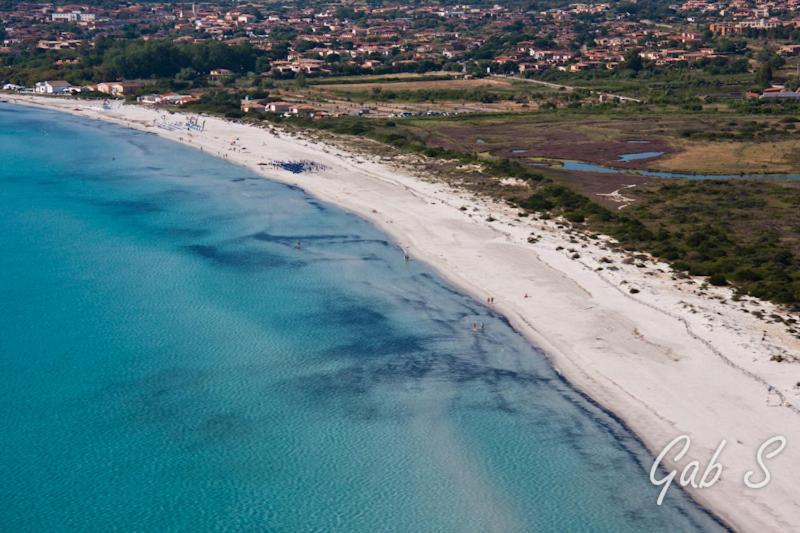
(523, 141)
(531, 143)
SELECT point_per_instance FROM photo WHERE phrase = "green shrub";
(718, 280)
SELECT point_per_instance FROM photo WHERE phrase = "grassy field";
(687, 83)
(435, 89)
(417, 85)
(781, 156)
(374, 78)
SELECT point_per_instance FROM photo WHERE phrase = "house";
(246, 18)
(53, 87)
(307, 66)
(280, 107)
(550, 56)
(60, 44)
(220, 74)
(248, 105)
(119, 88)
(178, 99)
(149, 99)
(286, 108)
(168, 98)
(73, 16)
(12, 87)
(782, 94)
(580, 66)
(303, 109)
(789, 50)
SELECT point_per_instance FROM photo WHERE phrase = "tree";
(187, 74)
(764, 75)
(633, 61)
(767, 55)
(253, 10)
(263, 64)
(727, 46)
(304, 46)
(162, 59)
(345, 12)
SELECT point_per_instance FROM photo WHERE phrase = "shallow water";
(637, 156)
(591, 167)
(171, 361)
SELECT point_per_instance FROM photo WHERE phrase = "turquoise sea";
(170, 361)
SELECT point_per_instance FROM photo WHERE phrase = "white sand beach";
(666, 359)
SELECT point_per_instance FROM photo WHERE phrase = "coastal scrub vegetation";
(744, 232)
(218, 102)
(740, 232)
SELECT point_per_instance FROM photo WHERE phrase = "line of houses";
(284, 108)
(167, 99)
(63, 87)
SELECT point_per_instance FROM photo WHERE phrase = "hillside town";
(45, 46)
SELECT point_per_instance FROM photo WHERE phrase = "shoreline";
(665, 361)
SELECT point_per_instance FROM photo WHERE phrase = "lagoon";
(582, 166)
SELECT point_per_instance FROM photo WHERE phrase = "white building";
(150, 99)
(73, 16)
(53, 87)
